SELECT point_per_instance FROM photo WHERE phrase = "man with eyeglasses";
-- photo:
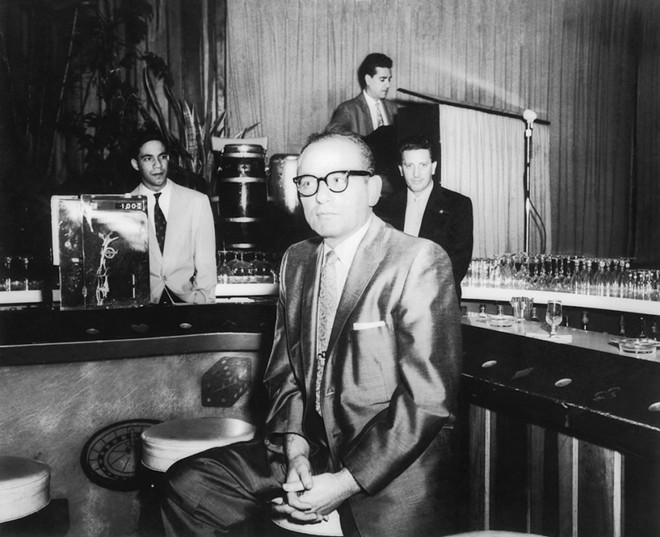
(362, 398)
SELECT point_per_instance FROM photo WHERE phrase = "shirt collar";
(421, 196)
(144, 191)
(369, 98)
(346, 250)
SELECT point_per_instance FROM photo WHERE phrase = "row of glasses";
(238, 266)
(612, 277)
(21, 273)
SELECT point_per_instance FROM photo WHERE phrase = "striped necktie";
(328, 300)
(160, 223)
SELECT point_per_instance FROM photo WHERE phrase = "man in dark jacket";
(426, 209)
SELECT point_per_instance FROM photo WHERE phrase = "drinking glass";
(239, 269)
(553, 316)
(224, 272)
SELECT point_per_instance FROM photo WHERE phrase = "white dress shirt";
(345, 254)
(373, 103)
(163, 201)
(415, 207)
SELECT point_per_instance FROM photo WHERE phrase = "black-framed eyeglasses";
(337, 181)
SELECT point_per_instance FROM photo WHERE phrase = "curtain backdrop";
(483, 157)
(574, 62)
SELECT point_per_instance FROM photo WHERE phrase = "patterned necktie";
(379, 115)
(327, 308)
(160, 223)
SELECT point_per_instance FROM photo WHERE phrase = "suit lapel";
(363, 267)
(366, 114)
(433, 206)
(174, 219)
(308, 318)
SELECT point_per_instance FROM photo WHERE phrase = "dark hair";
(369, 65)
(142, 136)
(416, 141)
(365, 152)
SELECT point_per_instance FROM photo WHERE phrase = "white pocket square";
(367, 326)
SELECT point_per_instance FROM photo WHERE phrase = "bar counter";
(562, 435)
(42, 336)
(68, 376)
(579, 382)
(562, 438)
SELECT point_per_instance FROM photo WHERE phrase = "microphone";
(529, 116)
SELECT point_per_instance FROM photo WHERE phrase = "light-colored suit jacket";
(391, 376)
(354, 116)
(188, 263)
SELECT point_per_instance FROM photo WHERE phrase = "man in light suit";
(364, 425)
(428, 210)
(183, 269)
(369, 110)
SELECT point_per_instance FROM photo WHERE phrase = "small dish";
(501, 321)
(638, 345)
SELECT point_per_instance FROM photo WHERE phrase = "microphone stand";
(526, 185)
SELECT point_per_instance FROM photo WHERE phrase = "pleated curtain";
(574, 62)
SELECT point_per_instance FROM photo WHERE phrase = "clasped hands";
(310, 499)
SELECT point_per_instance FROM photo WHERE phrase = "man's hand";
(311, 499)
(329, 491)
(298, 479)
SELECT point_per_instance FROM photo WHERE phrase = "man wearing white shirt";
(428, 210)
(362, 384)
(182, 264)
(360, 115)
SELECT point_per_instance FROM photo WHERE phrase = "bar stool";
(24, 487)
(166, 443)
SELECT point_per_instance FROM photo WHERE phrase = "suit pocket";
(374, 363)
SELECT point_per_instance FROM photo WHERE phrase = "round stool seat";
(330, 527)
(166, 443)
(24, 487)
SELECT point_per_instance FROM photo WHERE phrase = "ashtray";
(501, 321)
(638, 345)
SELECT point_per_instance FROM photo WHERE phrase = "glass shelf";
(627, 305)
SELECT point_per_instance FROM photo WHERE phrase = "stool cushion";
(166, 443)
(24, 487)
(330, 527)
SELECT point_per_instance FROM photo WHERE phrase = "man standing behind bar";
(428, 210)
(369, 110)
(182, 262)
(362, 378)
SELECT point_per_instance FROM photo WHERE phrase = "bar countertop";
(585, 387)
(43, 335)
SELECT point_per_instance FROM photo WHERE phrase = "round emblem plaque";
(111, 456)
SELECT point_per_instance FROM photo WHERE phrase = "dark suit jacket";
(447, 221)
(354, 116)
(391, 377)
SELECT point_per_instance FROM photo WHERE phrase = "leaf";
(246, 130)
(152, 99)
(190, 139)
